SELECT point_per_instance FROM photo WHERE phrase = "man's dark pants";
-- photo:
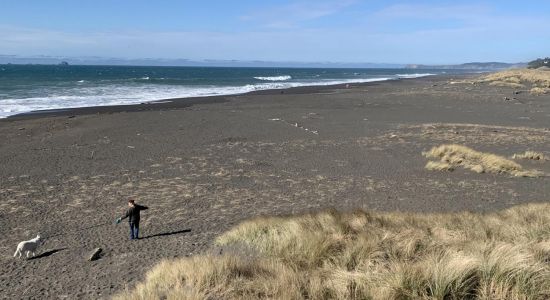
(134, 230)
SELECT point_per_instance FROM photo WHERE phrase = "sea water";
(26, 88)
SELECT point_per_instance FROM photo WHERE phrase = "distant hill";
(539, 63)
(94, 60)
(471, 66)
(54, 60)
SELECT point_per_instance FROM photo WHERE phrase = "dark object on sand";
(96, 254)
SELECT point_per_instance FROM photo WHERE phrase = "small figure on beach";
(29, 247)
(133, 218)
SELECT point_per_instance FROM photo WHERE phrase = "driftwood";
(96, 254)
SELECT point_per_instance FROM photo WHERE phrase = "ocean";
(26, 88)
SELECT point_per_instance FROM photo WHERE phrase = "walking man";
(133, 218)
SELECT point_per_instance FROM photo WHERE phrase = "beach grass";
(540, 91)
(451, 156)
(532, 155)
(369, 255)
(538, 80)
(507, 84)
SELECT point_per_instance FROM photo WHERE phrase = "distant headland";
(94, 60)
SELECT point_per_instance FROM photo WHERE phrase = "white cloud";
(423, 11)
(291, 15)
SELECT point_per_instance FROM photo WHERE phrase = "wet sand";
(202, 165)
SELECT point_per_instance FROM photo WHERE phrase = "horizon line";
(89, 60)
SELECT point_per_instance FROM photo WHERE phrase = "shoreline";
(180, 103)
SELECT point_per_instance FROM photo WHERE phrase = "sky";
(400, 31)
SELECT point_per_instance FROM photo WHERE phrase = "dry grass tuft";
(369, 255)
(530, 155)
(539, 91)
(507, 84)
(539, 80)
(452, 156)
(439, 166)
(215, 277)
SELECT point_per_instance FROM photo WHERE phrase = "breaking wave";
(274, 78)
(108, 92)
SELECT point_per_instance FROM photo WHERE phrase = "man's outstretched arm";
(126, 215)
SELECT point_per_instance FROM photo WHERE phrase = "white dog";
(28, 246)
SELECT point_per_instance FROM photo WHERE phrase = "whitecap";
(416, 75)
(274, 78)
(123, 94)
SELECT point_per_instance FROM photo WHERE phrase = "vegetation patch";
(539, 91)
(539, 63)
(507, 84)
(533, 155)
(538, 80)
(369, 255)
(451, 156)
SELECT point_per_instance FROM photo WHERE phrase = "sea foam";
(416, 75)
(274, 78)
(124, 94)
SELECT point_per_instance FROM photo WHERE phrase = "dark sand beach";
(204, 165)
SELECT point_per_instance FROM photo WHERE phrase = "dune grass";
(507, 84)
(532, 155)
(450, 156)
(369, 255)
(540, 91)
(539, 80)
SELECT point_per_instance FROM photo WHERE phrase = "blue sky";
(293, 30)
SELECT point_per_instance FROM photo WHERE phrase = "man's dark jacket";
(133, 213)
